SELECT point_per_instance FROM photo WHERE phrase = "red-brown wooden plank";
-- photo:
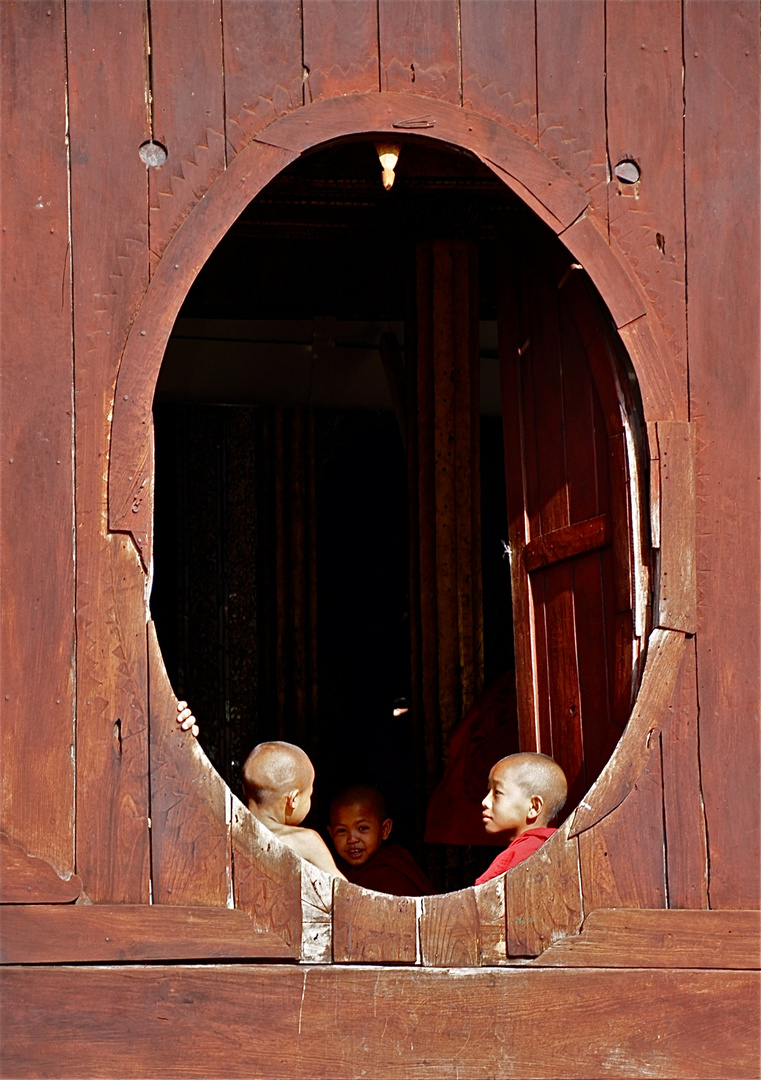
(645, 106)
(684, 817)
(36, 439)
(263, 65)
(499, 62)
(449, 930)
(677, 599)
(109, 212)
(82, 933)
(721, 163)
(419, 48)
(274, 1021)
(267, 879)
(373, 928)
(340, 48)
(542, 896)
(190, 856)
(512, 330)
(662, 938)
(188, 109)
(570, 52)
(27, 879)
(568, 541)
(622, 859)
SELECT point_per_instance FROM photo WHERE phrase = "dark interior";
(285, 321)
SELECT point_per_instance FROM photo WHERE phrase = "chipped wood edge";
(316, 914)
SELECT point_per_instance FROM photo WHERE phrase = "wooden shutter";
(567, 462)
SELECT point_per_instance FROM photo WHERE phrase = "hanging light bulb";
(388, 155)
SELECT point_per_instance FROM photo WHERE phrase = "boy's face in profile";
(507, 807)
(357, 832)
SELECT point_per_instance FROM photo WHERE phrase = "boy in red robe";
(360, 828)
(526, 791)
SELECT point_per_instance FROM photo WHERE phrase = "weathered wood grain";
(28, 879)
(419, 49)
(449, 930)
(84, 933)
(683, 812)
(340, 48)
(722, 181)
(492, 925)
(373, 928)
(663, 939)
(640, 739)
(108, 185)
(395, 1023)
(187, 89)
(264, 71)
(499, 62)
(316, 914)
(543, 896)
(266, 879)
(645, 104)
(570, 51)
(36, 440)
(622, 859)
(677, 584)
(190, 831)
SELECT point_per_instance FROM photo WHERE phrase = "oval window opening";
(398, 464)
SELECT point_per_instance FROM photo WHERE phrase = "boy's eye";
(364, 828)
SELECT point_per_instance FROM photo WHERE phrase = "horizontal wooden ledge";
(567, 542)
(81, 933)
(636, 938)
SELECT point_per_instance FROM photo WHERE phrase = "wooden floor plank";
(330, 1023)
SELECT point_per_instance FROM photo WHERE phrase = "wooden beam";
(662, 939)
(275, 1021)
(82, 933)
(568, 541)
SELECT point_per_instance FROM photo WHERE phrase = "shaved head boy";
(278, 778)
(526, 791)
(359, 828)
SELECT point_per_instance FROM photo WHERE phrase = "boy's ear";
(386, 828)
(290, 800)
(536, 803)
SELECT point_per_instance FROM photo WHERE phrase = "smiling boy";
(360, 828)
(526, 791)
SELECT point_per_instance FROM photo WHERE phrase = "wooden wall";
(672, 86)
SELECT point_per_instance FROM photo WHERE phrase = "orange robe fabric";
(523, 846)
(390, 870)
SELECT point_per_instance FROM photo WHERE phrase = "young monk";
(278, 779)
(526, 791)
(360, 828)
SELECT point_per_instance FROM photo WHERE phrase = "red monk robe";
(523, 846)
(390, 870)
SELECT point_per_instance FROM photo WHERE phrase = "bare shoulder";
(310, 846)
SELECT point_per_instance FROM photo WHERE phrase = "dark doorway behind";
(282, 562)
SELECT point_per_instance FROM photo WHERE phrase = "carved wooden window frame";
(214, 853)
